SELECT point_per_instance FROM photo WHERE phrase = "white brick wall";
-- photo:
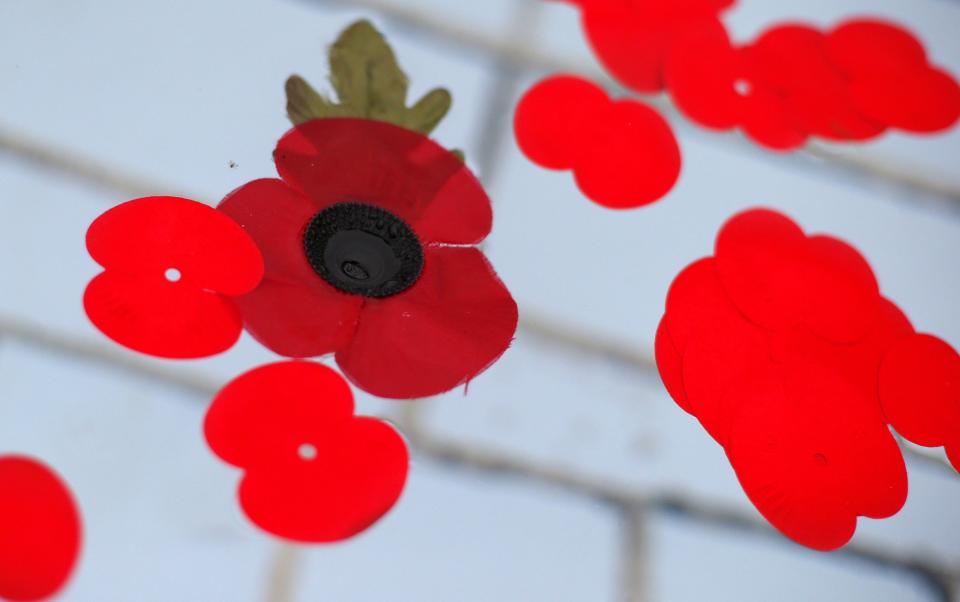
(564, 473)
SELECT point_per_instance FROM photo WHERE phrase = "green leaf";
(369, 83)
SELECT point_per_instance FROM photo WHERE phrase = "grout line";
(939, 193)
(634, 562)
(284, 574)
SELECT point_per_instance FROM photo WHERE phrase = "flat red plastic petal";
(669, 364)
(633, 161)
(701, 72)
(920, 390)
(402, 171)
(760, 257)
(695, 302)
(313, 472)
(870, 47)
(953, 455)
(136, 303)
(40, 530)
(632, 50)
(844, 295)
(768, 121)
(812, 464)
(148, 236)
(922, 101)
(443, 331)
(555, 119)
(165, 319)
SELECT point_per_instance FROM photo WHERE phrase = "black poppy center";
(363, 249)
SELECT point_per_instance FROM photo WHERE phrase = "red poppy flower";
(39, 530)
(313, 472)
(891, 80)
(632, 38)
(719, 86)
(367, 242)
(623, 153)
(170, 265)
(775, 345)
(920, 392)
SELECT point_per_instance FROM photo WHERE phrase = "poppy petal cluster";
(794, 82)
(170, 267)
(633, 38)
(40, 530)
(313, 471)
(623, 153)
(438, 315)
(783, 347)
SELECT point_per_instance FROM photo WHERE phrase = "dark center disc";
(363, 249)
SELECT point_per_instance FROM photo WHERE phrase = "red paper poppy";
(891, 80)
(632, 38)
(39, 530)
(313, 472)
(721, 87)
(775, 345)
(920, 391)
(367, 246)
(170, 265)
(623, 153)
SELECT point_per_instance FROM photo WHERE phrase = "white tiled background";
(565, 474)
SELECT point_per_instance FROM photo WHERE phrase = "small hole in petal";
(742, 87)
(306, 451)
(172, 275)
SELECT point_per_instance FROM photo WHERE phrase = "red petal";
(261, 422)
(922, 101)
(869, 47)
(702, 71)
(843, 296)
(768, 122)
(367, 161)
(696, 302)
(920, 390)
(135, 304)
(555, 119)
(40, 530)
(953, 455)
(147, 313)
(811, 465)
(759, 256)
(790, 57)
(634, 161)
(632, 50)
(300, 319)
(669, 366)
(443, 331)
(293, 312)
(151, 235)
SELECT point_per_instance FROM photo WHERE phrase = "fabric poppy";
(170, 267)
(623, 153)
(632, 38)
(40, 530)
(313, 472)
(775, 345)
(891, 78)
(368, 246)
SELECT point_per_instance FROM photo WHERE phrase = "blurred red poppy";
(775, 344)
(170, 265)
(623, 153)
(368, 246)
(313, 472)
(40, 530)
